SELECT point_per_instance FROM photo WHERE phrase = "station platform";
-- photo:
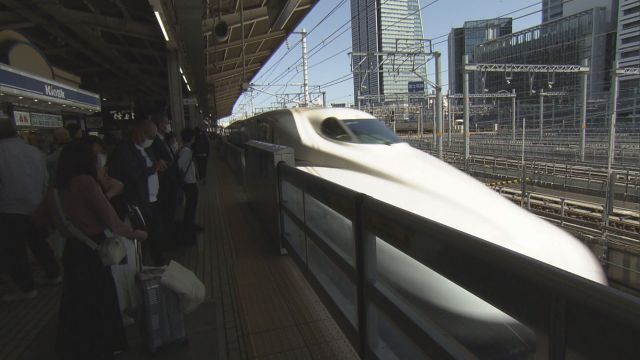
(258, 304)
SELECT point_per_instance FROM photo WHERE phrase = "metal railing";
(333, 233)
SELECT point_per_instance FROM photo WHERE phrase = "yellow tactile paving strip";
(281, 315)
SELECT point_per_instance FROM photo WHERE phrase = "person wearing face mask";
(168, 178)
(135, 165)
(109, 185)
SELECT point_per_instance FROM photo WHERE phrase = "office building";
(385, 26)
(556, 9)
(463, 40)
(628, 55)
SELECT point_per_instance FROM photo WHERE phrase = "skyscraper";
(381, 25)
(462, 41)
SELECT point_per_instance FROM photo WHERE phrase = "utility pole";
(438, 107)
(305, 70)
(465, 109)
(583, 109)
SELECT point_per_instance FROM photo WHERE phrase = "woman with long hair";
(90, 321)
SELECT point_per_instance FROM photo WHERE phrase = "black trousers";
(167, 196)
(90, 325)
(156, 241)
(201, 163)
(191, 203)
(17, 232)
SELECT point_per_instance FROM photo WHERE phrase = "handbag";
(111, 251)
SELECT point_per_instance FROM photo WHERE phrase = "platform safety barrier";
(333, 232)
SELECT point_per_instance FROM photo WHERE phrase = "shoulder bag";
(111, 251)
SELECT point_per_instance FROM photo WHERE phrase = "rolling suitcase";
(162, 319)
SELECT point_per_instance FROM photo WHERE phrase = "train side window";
(331, 128)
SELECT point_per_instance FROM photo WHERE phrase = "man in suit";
(135, 165)
(168, 178)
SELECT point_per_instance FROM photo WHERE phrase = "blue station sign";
(415, 87)
(20, 83)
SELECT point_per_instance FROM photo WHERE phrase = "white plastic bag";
(124, 277)
(186, 284)
(57, 242)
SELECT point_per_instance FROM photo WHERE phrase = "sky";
(328, 45)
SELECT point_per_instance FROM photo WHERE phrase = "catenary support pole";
(541, 113)
(608, 205)
(438, 107)
(513, 115)
(583, 109)
(305, 69)
(523, 177)
(465, 110)
(450, 118)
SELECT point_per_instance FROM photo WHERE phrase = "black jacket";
(201, 145)
(129, 166)
(163, 151)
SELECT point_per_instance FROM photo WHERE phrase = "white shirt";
(152, 181)
(186, 165)
(23, 177)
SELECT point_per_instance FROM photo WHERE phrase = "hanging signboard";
(416, 87)
(122, 115)
(46, 120)
(17, 82)
(22, 118)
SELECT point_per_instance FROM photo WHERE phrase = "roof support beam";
(237, 43)
(234, 72)
(220, 64)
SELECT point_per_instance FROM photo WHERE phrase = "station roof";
(266, 26)
(115, 46)
(119, 51)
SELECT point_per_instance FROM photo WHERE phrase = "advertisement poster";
(22, 118)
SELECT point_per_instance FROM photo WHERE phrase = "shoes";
(20, 295)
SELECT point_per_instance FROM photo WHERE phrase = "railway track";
(623, 223)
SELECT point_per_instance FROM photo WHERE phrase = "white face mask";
(101, 161)
(167, 128)
(147, 143)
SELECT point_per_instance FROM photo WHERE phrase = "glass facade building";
(462, 41)
(628, 55)
(386, 26)
(566, 41)
(551, 10)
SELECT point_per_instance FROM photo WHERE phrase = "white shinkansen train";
(355, 150)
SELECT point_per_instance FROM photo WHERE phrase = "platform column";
(175, 92)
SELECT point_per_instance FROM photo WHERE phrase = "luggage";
(162, 319)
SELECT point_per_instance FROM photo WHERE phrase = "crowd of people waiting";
(93, 183)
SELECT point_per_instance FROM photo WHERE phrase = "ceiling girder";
(47, 13)
(238, 43)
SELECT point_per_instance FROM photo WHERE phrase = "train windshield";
(370, 131)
